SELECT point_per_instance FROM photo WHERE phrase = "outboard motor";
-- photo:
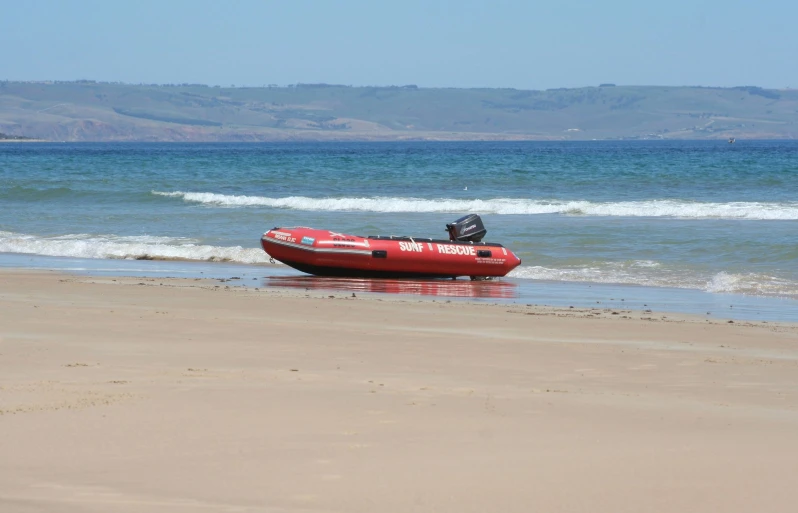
(467, 229)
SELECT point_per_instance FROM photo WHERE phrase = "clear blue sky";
(431, 43)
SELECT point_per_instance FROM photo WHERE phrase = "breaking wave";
(505, 206)
(651, 274)
(130, 248)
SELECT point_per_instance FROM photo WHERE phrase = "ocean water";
(693, 216)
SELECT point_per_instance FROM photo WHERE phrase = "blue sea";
(667, 218)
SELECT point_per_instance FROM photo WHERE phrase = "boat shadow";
(495, 289)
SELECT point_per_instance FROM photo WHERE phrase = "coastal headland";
(101, 111)
(129, 394)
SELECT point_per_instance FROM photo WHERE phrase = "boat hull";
(328, 253)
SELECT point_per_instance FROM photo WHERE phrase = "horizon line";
(392, 86)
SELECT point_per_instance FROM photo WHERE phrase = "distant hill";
(94, 111)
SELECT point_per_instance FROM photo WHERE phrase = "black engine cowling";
(468, 228)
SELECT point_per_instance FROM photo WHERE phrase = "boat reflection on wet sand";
(495, 289)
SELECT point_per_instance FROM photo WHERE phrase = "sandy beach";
(130, 394)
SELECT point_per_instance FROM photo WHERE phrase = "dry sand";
(184, 397)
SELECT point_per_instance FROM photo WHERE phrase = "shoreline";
(586, 295)
(190, 396)
(616, 312)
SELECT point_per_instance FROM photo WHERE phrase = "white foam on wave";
(127, 247)
(751, 283)
(505, 206)
(643, 272)
(652, 274)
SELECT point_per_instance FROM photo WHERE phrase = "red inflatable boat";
(328, 253)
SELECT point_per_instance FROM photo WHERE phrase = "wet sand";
(134, 394)
(661, 300)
